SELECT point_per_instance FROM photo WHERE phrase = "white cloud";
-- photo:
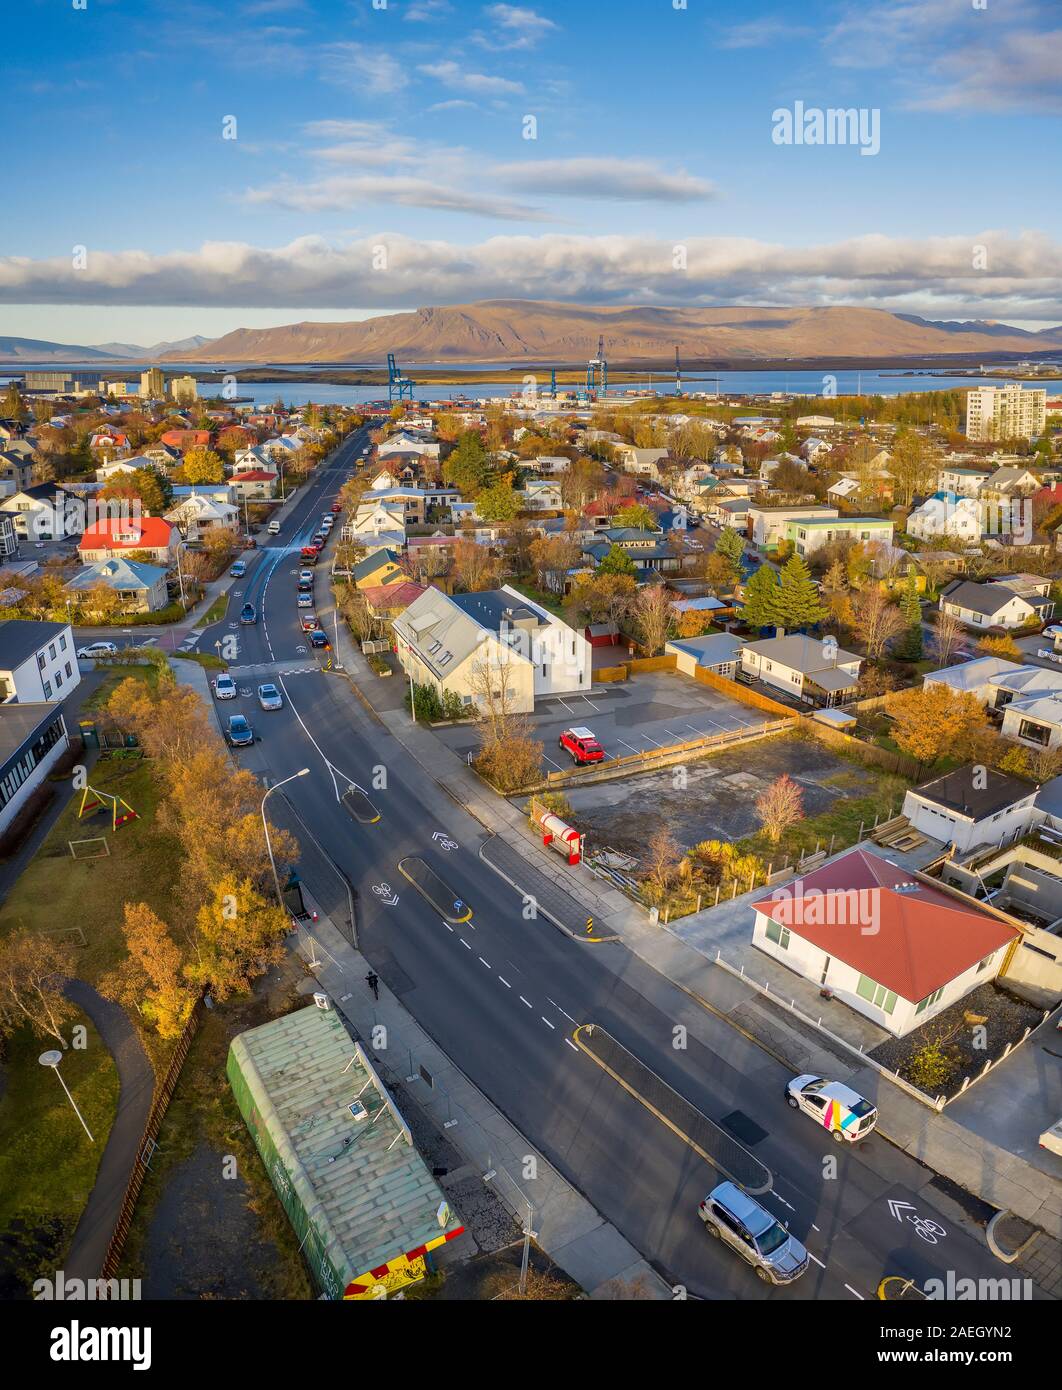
(459, 79)
(589, 177)
(424, 11)
(369, 70)
(514, 27)
(761, 33)
(931, 276)
(342, 194)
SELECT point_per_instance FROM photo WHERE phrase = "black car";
(248, 613)
(318, 638)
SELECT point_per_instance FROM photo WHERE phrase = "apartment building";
(1005, 412)
(37, 661)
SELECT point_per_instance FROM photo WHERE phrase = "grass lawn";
(215, 612)
(115, 676)
(57, 890)
(548, 601)
(47, 1165)
(210, 660)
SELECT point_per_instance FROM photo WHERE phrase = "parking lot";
(653, 710)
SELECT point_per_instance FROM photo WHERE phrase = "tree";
(760, 607)
(604, 598)
(616, 561)
(731, 546)
(551, 559)
(202, 466)
(661, 865)
(911, 610)
(498, 503)
(947, 637)
(1003, 646)
(910, 465)
(877, 620)
(934, 720)
(151, 978)
(32, 971)
(475, 568)
(238, 937)
(653, 616)
(797, 600)
(779, 807)
(636, 515)
(468, 466)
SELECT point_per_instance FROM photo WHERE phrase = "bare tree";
(877, 620)
(947, 637)
(653, 614)
(780, 806)
(32, 971)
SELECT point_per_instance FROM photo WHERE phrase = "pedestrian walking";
(373, 981)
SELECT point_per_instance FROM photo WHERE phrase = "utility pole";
(265, 827)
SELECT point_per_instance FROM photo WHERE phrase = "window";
(779, 935)
(1034, 733)
(51, 651)
(62, 644)
(41, 663)
(69, 672)
(929, 1000)
(984, 964)
(59, 678)
(882, 998)
(47, 690)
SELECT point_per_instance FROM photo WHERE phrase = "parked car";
(239, 732)
(309, 622)
(834, 1105)
(269, 697)
(305, 600)
(238, 570)
(305, 576)
(318, 638)
(274, 527)
(319, 540)
(225, 688)
(248, 613)
(337, 506)
(581, 746)
(732, 1216)
(95, 649)
(308, 554)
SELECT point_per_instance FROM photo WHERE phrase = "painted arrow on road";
(385, 893)
(444, 842)
(898, 1207)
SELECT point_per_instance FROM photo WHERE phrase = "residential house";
(645, 463)
(1034, 720)
(408, 445)
(45, 512)
(152, 535)
(845, 491)
(541, 496)
(768, 524)
(964, 482)
(808, 535)
(460, 642)
(381, 567)
(197, 514)
(978, 677)
(256, 485)
(254, 459)
(183, 440)
(947, 514)
(815, 449)
(386, 602)
(894, 948)
(33, 738)
(8, 539)
(993, 605)
(817, 673)
(162, 456)
(1010, 482)
(37, 661)
(16, 472)
(719, 652)
(109, 442)
(142, 588)
(550, 464)
(971, 806)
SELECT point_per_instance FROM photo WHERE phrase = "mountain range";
(536, 331)
(542, 332)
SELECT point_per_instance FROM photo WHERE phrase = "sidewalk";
(984, 1168)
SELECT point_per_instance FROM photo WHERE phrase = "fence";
(743, 694)
(603, 674)
(163, 1094)
(869, 752)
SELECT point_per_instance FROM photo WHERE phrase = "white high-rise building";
(1005, 412)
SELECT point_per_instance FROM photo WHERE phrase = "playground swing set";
(93, 801)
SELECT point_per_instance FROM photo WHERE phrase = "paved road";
(502, 996)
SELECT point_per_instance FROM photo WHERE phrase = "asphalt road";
(502, 996)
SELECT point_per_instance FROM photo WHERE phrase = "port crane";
(399, 387)
(597, 370)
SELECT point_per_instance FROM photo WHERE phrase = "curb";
(572, 936)
(996, 1248)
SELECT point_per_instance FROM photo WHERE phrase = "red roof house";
(151, 534)
(186, 439)
(895, 948)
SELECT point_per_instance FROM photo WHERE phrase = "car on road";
(319, 638)
(95, 649)
(337, 507)
(319, 540)
(274, 527)
(269, 697)
(305, 600)
(238, 570)
(581, 746)
(1052, 630)
(844, 1112)
(248, 613)
(309, 622)
(239, 733)
(738, 1220)
(308, 554)
(225, 688)
(305, 576)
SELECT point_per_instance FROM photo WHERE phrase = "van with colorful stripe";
(834, 1105)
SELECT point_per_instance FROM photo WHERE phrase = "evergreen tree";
(798, 599)
(761, 608)
(731, 546)
(911, 644)
(616, 561)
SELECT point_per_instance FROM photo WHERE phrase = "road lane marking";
(484, 962)
(448, 926)
(505, 982)
(816, 1259)
(465, 944)
(856, 1292)
(627, 745)
(552, 763)
(546, 1021)
(571, 1044)
(560, 1010)
(526, 1001)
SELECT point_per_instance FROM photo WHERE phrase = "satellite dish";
(50, 1059)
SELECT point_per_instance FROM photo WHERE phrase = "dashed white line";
(817, 1261)
(526, 1001)
(448, 926)
(571, 1044)
(546, 1021)
(505, 982)
(465, 944)
(484, 962)
(856, 1292)
(561, 1011)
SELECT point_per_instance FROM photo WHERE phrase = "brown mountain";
(534, 331)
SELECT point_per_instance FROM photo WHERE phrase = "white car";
(95, 649)
(225, 688)
(1052, 630)
(833, 1105)
(305, 600)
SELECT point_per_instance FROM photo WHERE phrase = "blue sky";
(380, 159)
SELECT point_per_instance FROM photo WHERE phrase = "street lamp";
(52, 1059)
(265, 826)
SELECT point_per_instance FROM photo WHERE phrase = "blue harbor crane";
(597, 365)
(399, 387)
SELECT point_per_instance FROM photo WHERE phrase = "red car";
(309, 622)
(308, 555)
(337, 507)
(581, 745)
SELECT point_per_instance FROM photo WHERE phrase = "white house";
(992, 605)
(896, 949)
(44, 513)
(818, 673)
(1035, 720)
(947, 514)
(551, 464)
(37, 661)
(458, 642)
(964, 482)
(977, 677)
(377, 519)
(643, 462)
(541, 496)
(197, 514)
(971, 806)
(33, 738)
(769, 523)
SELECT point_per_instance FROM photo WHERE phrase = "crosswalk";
(273, 668)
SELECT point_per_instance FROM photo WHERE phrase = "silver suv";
(734, 1217)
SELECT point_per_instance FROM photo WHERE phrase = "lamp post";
(265, 826)
(52, 1059)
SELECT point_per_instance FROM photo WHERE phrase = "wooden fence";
(604, 674)
(163, 1095)
(868, 752)
(658, 757)
(744, 694)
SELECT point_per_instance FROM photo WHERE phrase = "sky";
(197, 167)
